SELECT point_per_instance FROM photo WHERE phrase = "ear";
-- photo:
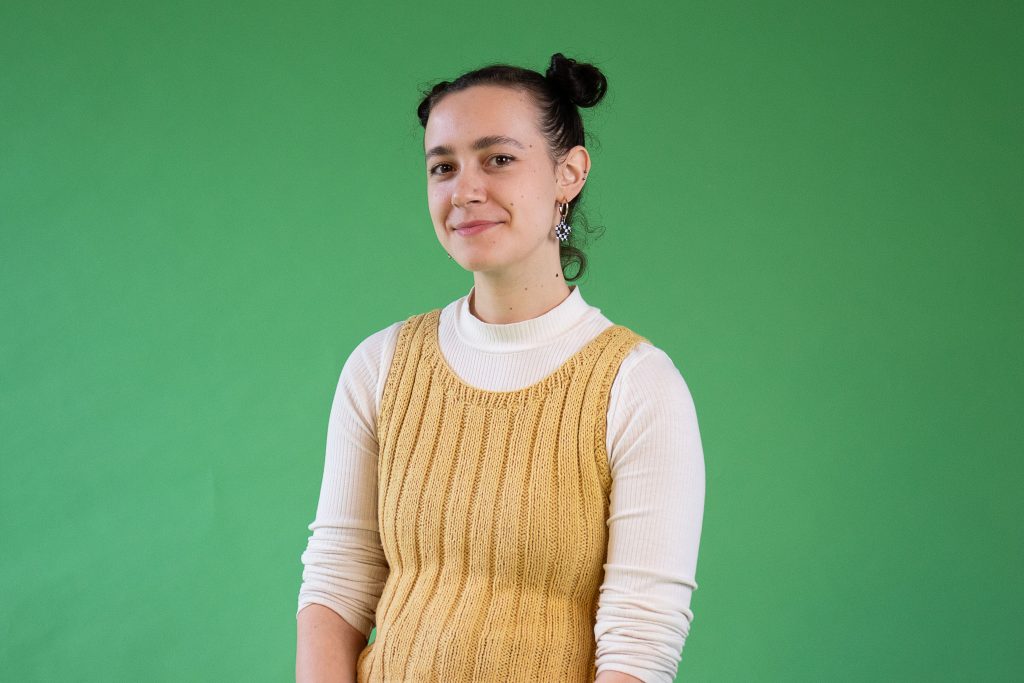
(572, 173)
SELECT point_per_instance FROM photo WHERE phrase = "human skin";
(616, 677)
(516, 268)
(516, 264)
(327, 647)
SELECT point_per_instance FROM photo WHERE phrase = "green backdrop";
(815, 209)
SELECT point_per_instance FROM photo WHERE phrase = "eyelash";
(506, 156)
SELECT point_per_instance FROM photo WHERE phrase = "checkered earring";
(563, 229)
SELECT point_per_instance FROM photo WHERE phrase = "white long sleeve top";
(655, 457)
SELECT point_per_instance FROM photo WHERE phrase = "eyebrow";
(482, 143)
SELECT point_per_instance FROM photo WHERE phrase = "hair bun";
(582, 84)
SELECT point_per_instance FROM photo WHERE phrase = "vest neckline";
(459, 388)
(518, 336)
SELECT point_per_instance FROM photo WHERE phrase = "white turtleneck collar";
(522, 335)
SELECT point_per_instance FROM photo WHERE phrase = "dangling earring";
(563, 229)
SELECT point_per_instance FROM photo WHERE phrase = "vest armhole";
(398, 360)
(626, 340)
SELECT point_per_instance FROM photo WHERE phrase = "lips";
(472, 224)
(470, 228)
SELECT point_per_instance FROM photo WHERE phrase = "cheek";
(435, 203)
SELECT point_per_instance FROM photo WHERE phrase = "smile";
(467, 232)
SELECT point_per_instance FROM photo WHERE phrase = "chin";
(478, 265)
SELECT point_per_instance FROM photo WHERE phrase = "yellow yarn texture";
(493, 509)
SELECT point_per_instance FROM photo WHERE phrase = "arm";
(344, 564)
(654, 523)
(616, 677)
(327, 646)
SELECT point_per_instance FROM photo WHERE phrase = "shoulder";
(373, 355)
(368, 362)
(649, 379)
(651, 412)
(377, 343)
(646, 372)
(647, 358)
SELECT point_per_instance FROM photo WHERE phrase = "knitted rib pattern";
(492, 508)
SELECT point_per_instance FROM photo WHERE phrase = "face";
(486, 161)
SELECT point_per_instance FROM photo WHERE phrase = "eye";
(504, 156)
(434, 171)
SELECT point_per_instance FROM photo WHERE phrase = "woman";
(514, 485)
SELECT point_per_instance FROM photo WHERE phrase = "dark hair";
(565, 86)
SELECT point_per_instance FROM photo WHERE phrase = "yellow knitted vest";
(493, 510)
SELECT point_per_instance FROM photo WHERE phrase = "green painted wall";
(815, 209)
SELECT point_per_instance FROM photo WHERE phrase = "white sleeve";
(655, 518)
(344, 565)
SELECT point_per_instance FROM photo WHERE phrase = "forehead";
(481, 110)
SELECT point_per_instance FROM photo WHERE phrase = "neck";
(503, 303)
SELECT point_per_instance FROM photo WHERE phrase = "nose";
(468, 187)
